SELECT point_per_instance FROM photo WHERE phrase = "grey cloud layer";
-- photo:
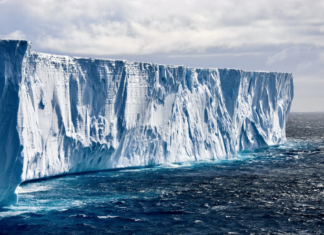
(146, 27)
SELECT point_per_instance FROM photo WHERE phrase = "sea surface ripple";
(270, 191)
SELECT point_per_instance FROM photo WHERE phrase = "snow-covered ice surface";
(60, 114)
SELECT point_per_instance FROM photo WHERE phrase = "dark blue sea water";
(271, 191)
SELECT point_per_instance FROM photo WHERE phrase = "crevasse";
(61, 114)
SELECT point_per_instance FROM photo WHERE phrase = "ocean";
(275, 190)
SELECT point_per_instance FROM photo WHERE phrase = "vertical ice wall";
(12, 60)
(75, 114)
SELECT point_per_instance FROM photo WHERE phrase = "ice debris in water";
(61, 114)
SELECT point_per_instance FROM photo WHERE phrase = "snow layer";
(61, 114)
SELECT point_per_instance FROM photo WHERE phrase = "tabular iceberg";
(60, 114)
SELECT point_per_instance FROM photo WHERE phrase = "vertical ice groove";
(60, 114)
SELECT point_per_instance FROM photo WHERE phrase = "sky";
(276, 35)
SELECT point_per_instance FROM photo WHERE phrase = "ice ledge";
(62, 114)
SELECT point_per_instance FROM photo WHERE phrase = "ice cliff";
(60, 114)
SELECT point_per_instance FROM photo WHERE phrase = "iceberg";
(61, 114)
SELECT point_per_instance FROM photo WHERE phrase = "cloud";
(14, 35)
(102, 27)
(305, 59)
(282, 55)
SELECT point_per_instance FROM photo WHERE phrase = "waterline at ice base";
(61, 114)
